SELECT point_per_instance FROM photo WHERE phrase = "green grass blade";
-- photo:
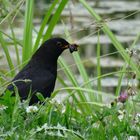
(114, 40)
(15, 45)
(27, 40)
(45, 20)
(80, 66)
(12, 39)
(99, 86)
(84, 90)
(83, 74)
(6, 51)
(70, 76)
(13, 11)
(54, 19)
(118, 90)
(72, 79)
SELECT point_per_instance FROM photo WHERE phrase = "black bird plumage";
(41, 70)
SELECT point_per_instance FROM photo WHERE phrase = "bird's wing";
(43, 82)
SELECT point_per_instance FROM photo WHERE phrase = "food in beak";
(73, 47)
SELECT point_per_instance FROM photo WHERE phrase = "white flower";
(138, 115)
(131, 51)
(137, 118)
(120, 117)
(30, 109)
(109, 105)
(133, 138)
(121, 114)
(3, 107)
(120, 105)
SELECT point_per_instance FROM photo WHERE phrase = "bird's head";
(60, 44)
(52, 48)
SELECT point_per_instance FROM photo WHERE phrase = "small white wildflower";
(63, 110)
(120, 105)
(131, 52)
(96, 125)
(32, 109)
(3, 107)
(120, 117)
(115, 138)
(108, 105)
(138, 115)
(133, 138)
(137, 118)
(134, 52)
(121, 114)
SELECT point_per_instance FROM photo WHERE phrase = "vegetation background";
(97, 94)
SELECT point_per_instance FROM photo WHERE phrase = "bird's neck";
(46, 57)
(47, 54)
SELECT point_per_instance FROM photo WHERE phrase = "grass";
(82, 114)
(63, 121)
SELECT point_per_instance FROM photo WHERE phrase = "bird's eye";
(59, 44)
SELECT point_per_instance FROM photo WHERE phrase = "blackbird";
(39, 75)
